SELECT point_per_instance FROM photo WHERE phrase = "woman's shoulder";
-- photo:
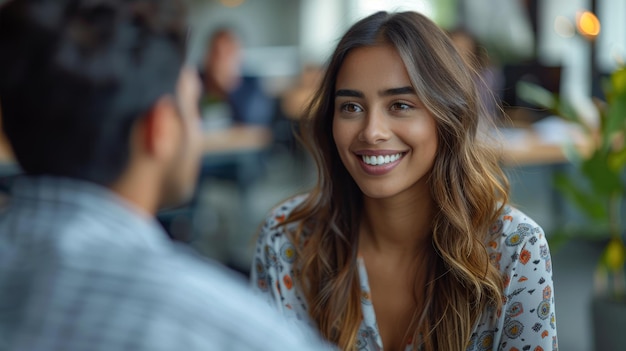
(519, 249)
(282, 211)
(514, 228)
(512, 236)
(271, 229)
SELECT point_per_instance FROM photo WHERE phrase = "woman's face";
(385, 137)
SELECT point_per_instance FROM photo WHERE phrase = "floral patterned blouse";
(518, 249)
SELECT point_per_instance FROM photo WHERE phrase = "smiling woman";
(378, 116)
(407, 240)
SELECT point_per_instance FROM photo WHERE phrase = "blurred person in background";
(229, 95)
(102, 117)
(407, 241)
(489, 79)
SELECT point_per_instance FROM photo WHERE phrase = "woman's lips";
(379, 162)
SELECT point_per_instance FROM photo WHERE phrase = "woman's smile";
(379, 162)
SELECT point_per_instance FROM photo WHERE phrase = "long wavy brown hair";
(469, 190)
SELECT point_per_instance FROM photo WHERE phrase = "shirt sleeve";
(264, 275)
(529, 320)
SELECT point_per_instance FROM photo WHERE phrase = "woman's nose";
(375, 128)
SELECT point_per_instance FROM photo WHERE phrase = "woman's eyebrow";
(397, 91)
(388, 92)
(349, 93)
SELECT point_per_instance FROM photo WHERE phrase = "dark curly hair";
(77, 74)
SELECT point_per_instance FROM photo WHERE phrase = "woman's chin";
(378, 192)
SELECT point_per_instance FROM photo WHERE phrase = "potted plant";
(597, 189)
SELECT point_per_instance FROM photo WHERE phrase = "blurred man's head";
(93, 89)
(222, 62)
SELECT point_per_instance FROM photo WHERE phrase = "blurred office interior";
(250, 167)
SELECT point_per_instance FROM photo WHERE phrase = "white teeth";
(380, 160)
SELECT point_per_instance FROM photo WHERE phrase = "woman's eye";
(351, 108)
(400, 106)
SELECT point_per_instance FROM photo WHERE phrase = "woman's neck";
(400, 225)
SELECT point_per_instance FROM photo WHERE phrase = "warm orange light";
(588, 24)
(232, 3)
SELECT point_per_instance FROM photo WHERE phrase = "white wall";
(362, 8)
(611, 44)
(322, 24)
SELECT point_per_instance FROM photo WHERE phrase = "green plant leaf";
(566, 111)
(539, 96)
(615, 118)
(604, 180)
(618, 81)
(593, 206)
(614, 255)
(536, 95)
(617, 160)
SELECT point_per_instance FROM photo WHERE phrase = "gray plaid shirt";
(80, 269)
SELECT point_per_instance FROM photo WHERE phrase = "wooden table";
(532, 150)
(236, 139)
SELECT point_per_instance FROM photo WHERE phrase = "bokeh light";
(564, 27)
(588, 24)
